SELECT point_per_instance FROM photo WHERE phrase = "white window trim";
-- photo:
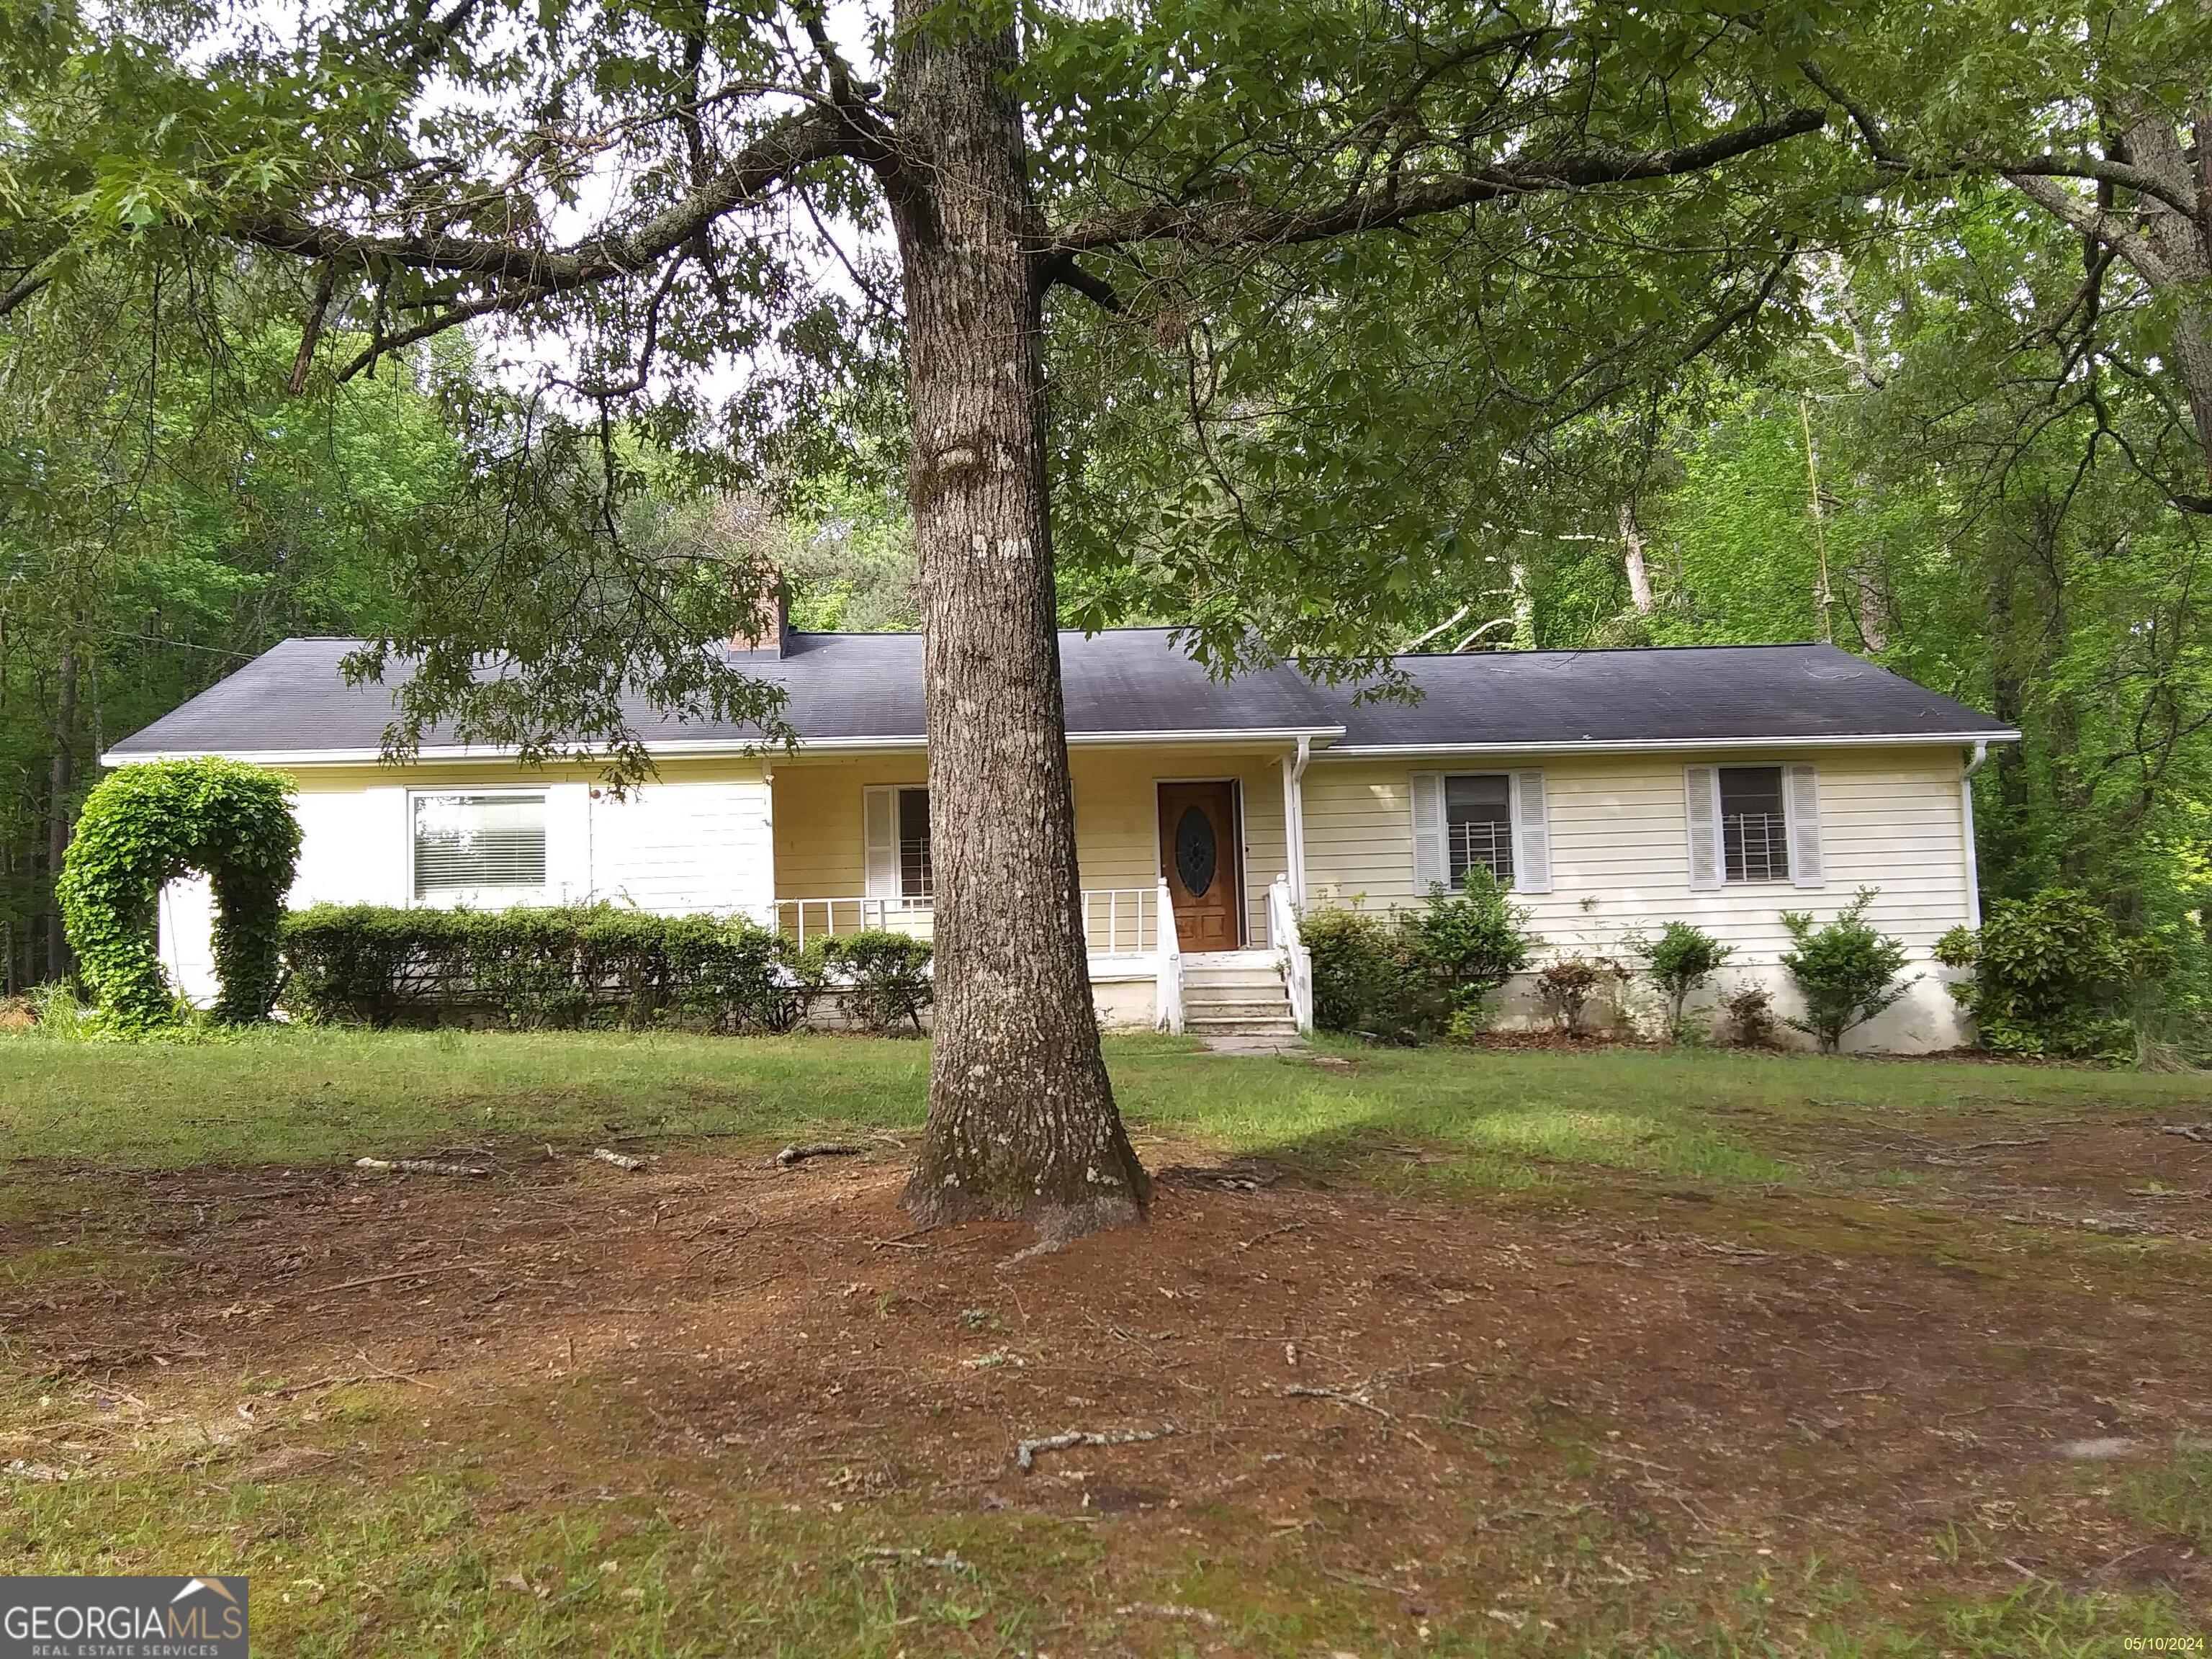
(458, 897)
(1522, 833)
(1803, 873)
(898, 897)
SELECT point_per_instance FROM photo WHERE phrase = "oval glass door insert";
(1194, 851)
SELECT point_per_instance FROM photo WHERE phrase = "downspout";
(1967, 809)
(1294, 820)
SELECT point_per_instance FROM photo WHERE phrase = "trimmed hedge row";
(577, 966)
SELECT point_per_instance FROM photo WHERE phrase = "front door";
(1198, 857)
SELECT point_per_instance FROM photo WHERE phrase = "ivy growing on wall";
(143, 826)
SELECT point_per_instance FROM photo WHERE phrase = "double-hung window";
(1750, 824)
(896, 824)
(914, 881)
(1477, 825)
(1494, 820)
(1754, 823)
(480, 848)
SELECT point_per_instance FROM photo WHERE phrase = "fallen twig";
(1722, 1247)
(385, 1279)
(620, 1160)
(376, 1370)
(1170, 1610)
(1025, 1454)
(2197, 1131)
(903, 1242)
(1367, 1583)
(794, 1155)
(420, 1166)
(1303, 1391)
(291, 1389)
(948, 1562)
(1273, 1233)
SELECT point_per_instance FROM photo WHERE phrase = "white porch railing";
(1168, 998)
(805, 919)
(1121, 921)
(1117, 921)
(1298, 961)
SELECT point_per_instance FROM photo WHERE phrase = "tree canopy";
(1319, 330)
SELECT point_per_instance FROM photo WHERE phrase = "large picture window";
(1754, 823)
(480, 845)
(1479, 824)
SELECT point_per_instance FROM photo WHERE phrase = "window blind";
(467, 842)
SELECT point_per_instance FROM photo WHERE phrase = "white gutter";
(720, 748)
(1294, 818)
(1322, 739)
(1966, 819)
(1646, 745)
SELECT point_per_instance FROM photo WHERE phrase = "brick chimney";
(774, 626)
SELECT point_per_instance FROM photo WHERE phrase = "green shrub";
(1473, 941)
(540, 968)
(1369, 979)
(142, 828)
(1406, 976)
(1846, 971)
(2053, 977)
(1683, 957)
(884, 976)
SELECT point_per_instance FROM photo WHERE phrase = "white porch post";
(1294, 819)
(772, 911)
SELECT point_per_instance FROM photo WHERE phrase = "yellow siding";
(1892, 819)
(820, 850)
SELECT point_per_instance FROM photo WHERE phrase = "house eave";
(1648, 746)
(1248, 737)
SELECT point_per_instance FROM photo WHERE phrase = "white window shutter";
(1532, 834)
(1804, 804)
(881, 820)
(1701, 797)
(1431, 868)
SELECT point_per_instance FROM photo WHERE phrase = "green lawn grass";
(310, 1097)
(418, 1536)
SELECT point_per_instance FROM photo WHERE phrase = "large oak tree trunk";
(1021, 1121)
(2185, 246)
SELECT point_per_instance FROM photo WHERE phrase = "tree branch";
(1235, 225)
(383, 345)
(1061, 270)
(2142, 180)
(2092, 221)
(811, 135)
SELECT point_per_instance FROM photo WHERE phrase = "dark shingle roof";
(1674, 695)
(852, 688)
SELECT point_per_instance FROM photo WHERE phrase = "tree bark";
(2185, 246)
(2169, 249)
(1022, 1120)
(61, 779)
(1632, 555)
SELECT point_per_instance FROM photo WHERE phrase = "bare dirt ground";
(1443, 1404)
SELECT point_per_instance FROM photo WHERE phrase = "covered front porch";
(1181, 851)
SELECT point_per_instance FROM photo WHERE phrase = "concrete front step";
(1239, 1010)
(1285, 1027)
(1242, 979)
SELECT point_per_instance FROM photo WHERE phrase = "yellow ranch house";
(1615, 790)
